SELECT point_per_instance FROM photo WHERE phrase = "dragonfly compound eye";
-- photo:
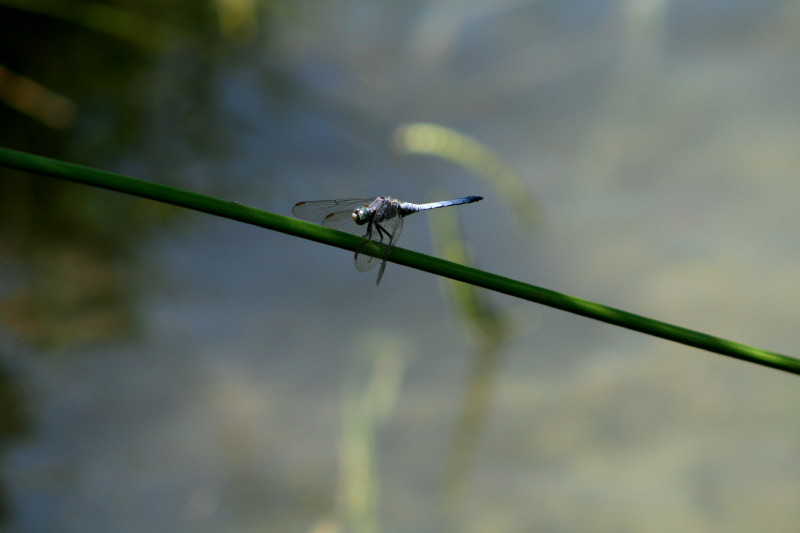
(360, 216)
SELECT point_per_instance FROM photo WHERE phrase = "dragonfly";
(375, 219)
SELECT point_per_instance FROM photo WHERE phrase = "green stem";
(298, 228)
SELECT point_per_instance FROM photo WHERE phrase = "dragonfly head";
(361, 216)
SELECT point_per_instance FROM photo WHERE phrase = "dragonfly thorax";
(361, 216)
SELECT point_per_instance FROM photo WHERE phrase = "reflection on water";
(71, 261)
(15, 423)
(185, 372)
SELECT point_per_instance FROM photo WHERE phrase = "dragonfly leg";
(382, 231)
(367, 236)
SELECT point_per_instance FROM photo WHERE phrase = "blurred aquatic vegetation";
(40, 88)
(70, 258)
(421, 138)
(73, 275)
(489, 329)
(372, 381)
(140, 30)
(89, 90)
(238, 19)
(15, 421)
(40, 103)
(70, 296)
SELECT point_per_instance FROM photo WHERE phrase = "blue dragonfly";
(378, 219)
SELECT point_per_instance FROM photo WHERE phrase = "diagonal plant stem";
(306, 230)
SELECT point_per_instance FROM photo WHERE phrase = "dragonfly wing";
(395, 234)
(365, 262)
(317, 210)
(343, 221)
(388, 235)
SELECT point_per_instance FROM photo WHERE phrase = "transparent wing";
(317, 210)
(389, 234)
(392, 242)
(343, 221)
(365, 262)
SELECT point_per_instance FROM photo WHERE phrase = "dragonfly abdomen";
(406, 208)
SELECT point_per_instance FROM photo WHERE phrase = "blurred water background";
(163, 370)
